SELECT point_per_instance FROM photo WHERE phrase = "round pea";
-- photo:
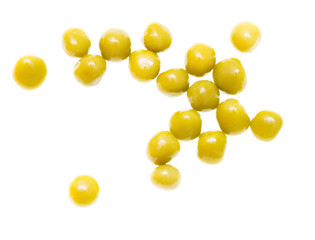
(211, 146)
(245, 36)
(232, 117)
(186, 125)
(166, 176)
(229, 76)
(144, 65)
(76, 43)
(115, 45)
(163, 147)
(266, 125)
(173, 82)
(157, 37)
(203, 95)
(200, 59)
(30, 72)
(84, 190)
(90, 69)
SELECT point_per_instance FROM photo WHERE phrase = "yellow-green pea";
(166, 176)
(30, 72)
(203, 95)
(266, 125)
(232, 117)
(90, 69)
(173, 82)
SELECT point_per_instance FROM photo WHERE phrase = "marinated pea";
(232, 117)
(115, 45)
(266, 125)
(203, 95)
(76, 43)
(173, 82)
(144, 65)
(30, 72)
(90, 69)
(186, 125)
(229, 76)
(157, 37)
(166, 176)
(200, 59)
(245, 36)
(211, 146)
(84, 190)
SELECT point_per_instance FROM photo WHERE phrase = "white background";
(51, 135)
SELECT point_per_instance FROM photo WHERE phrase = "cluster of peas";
(228, 76)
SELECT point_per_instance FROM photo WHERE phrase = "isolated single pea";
(211, 146)
(266, 125)
(144, 65)
(115, 45)
(229, 76)
(163, 147)
(76, 43)
(90, 69)
(203, 95)
(232, 117)
(245, 36)
(84, 190)
(173, 82)
(30, 72)
(200, 59)
(186, 125)
(157, 37)
(166, 176)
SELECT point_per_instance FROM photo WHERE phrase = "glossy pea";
(84, 190)
(245, 36)
(163, 147)
(211, 146)
(144, 65)
(157, 37)
(229, 76)
(30, 72)
(166, 176)
(90, 69)
(203, 95)
(115, 45)
(75, 42)
(232, 117)
(200, 59)
(173, 82)
(186, 125)
(266, 125)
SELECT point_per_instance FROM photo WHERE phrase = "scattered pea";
(200, 59)
(144, 65)
(76, 43)
(232, 117)
(186, 125)
(90, 69)
(266, 125)
(157, 37)
(166, 176)
(163, 147)
(211, 146)
(203, 95)
(84, 190)
(173, 82)
(245, 36)
(30, 72)
(229, 75)
(115, 45)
